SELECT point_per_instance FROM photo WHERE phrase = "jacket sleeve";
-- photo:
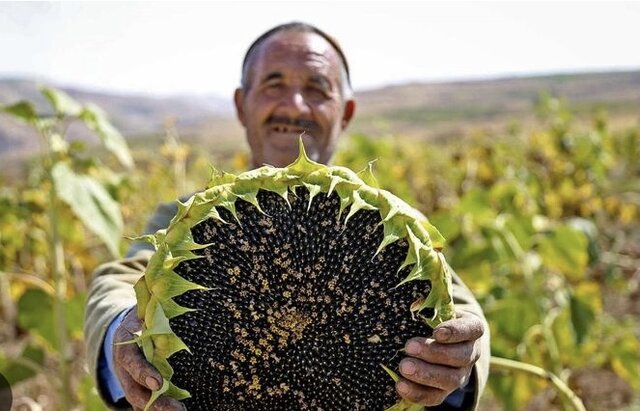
(111, 290)
(465, 302)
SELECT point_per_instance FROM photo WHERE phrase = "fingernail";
(152, 383)
(442, 334)
(413, 348)
(408, 367)
(403, 388)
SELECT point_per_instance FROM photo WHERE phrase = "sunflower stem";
(561, 387)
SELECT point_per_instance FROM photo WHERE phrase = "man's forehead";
(303, 45)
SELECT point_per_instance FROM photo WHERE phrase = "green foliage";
(43, 238)
(543, 227)
(91, 203)
(528, 222)
(89, 395)
(97, 121)
(23, 366)
(31, 306)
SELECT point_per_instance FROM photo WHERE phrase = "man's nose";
(294, 103)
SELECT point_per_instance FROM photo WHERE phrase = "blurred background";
(515, 126)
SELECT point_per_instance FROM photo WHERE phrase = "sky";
(197, 47)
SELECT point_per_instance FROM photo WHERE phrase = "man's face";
(294, 89)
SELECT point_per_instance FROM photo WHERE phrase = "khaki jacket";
(111, 292)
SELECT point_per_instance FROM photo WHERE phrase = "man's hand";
(137, 376)
(437, 366)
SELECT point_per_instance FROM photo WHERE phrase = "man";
(295, 81)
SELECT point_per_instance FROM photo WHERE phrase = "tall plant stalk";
(60, 285)
(7, 304)
(566, 393)
(59, 276)
(177, 153)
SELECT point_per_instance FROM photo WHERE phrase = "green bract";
(156, 290)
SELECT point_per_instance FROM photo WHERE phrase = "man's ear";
(238, 100)
(349, 111)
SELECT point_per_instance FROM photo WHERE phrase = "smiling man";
(295, 81)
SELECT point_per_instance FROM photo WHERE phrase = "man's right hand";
(137, 376)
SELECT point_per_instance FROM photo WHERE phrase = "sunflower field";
(543, 225)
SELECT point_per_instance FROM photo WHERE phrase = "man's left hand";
(437, 366)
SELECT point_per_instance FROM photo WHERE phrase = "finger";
(131, 322)
(420, 394)
(137, 395)
(445, 378)
(465, 327)
(452, 355)
(130, 358)
(165, 403)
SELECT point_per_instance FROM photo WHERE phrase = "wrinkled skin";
(295, 89)
(437, 366)
(137, 376)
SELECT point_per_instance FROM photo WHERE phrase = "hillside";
(420, 110)
(447, 109)
(134, 115)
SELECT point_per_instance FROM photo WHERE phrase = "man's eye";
(273, 88)
(318, 92)
(273, 85)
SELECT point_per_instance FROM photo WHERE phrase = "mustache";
(295, 122)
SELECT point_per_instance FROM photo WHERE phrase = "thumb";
(460, 329)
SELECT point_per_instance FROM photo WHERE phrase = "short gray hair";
(301, 27)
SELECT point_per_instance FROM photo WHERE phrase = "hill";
(136, 116)
(420, 110)
(449, 109)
